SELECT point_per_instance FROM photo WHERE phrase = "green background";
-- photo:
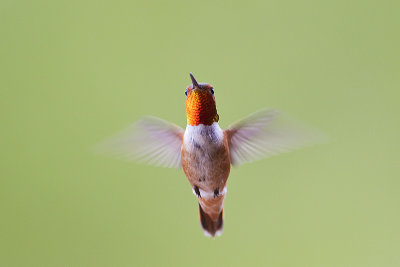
(74, 72)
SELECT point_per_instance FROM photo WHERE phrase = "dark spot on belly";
(202, 179)
(216, 192)
(197, 190)
(196, 145)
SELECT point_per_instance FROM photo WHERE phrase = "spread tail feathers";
(212, 225)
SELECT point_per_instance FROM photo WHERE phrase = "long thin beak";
(195, 84)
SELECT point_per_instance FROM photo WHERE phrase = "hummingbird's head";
(200, 103)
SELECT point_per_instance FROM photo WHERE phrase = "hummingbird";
(204, 151)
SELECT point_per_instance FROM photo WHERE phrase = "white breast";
(204, 136)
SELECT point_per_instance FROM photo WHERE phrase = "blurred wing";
(266, 133)
(150, 140)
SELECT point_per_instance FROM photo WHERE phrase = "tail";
(211, 215)
(211, 227)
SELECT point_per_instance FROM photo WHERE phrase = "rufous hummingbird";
(204, 151)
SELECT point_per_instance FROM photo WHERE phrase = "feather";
(266, 133)
(150, 140)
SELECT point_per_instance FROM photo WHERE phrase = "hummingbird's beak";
(194, 82)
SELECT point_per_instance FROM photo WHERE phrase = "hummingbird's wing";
(151, 140)
(266, 133)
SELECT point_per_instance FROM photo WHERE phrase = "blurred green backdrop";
(75, 72)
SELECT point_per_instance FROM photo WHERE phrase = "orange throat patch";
(201, 108)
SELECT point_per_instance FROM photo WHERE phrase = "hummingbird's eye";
(212, 90)
(186, 93)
